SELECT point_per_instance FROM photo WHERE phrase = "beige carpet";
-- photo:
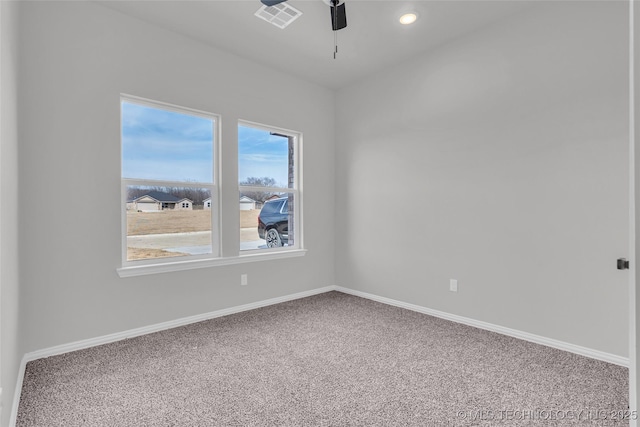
(327, 360)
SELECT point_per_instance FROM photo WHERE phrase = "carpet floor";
(328, 360)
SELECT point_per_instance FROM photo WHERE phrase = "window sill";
(168, 267)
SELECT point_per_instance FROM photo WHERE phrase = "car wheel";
(272, 238)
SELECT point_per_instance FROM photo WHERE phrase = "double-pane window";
(167, 177)
(170, 193)
(268, 169)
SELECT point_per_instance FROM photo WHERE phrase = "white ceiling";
(373, 39)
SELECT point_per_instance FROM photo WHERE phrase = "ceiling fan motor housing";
(338, 14)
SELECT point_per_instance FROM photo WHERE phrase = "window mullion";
(157, 183)
(267, 189)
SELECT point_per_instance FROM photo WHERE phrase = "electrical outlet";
(243, 280)
(453, 285)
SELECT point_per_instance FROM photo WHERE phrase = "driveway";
(193, 243)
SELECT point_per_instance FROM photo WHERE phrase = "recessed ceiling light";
(408, 18)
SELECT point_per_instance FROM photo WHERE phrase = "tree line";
(198, 195)
(259, 196)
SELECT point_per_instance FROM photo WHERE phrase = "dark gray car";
(273, 222)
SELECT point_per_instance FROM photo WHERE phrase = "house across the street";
(155, 201)
(246, 203)
(184, 204)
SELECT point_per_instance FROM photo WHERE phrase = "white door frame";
(634, 226)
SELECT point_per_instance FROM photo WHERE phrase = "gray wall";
(76, 59)
(500, 160)
(10, 349)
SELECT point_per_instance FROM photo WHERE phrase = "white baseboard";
(118, 336)
(17, 392)
(549, 342)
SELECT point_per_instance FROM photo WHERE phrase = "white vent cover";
(279, 15)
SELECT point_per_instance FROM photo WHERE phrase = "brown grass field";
(178, 221)
(249, 219)
(145, 253)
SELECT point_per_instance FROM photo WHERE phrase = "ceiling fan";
(338, 12)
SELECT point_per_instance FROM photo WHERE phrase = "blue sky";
(261, 154)
(164, 145)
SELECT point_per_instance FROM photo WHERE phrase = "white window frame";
(298, 244)
(218, 255)
(213, 188)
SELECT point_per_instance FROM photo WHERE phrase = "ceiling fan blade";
(338, 17)
(272, 2)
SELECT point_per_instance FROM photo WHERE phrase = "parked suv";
(273, 222)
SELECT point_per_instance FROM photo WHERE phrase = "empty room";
(317, 212)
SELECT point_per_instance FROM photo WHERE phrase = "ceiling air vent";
(279, 15)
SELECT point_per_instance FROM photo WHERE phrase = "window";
(269, 188)
(168, 167)
(171, 193)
